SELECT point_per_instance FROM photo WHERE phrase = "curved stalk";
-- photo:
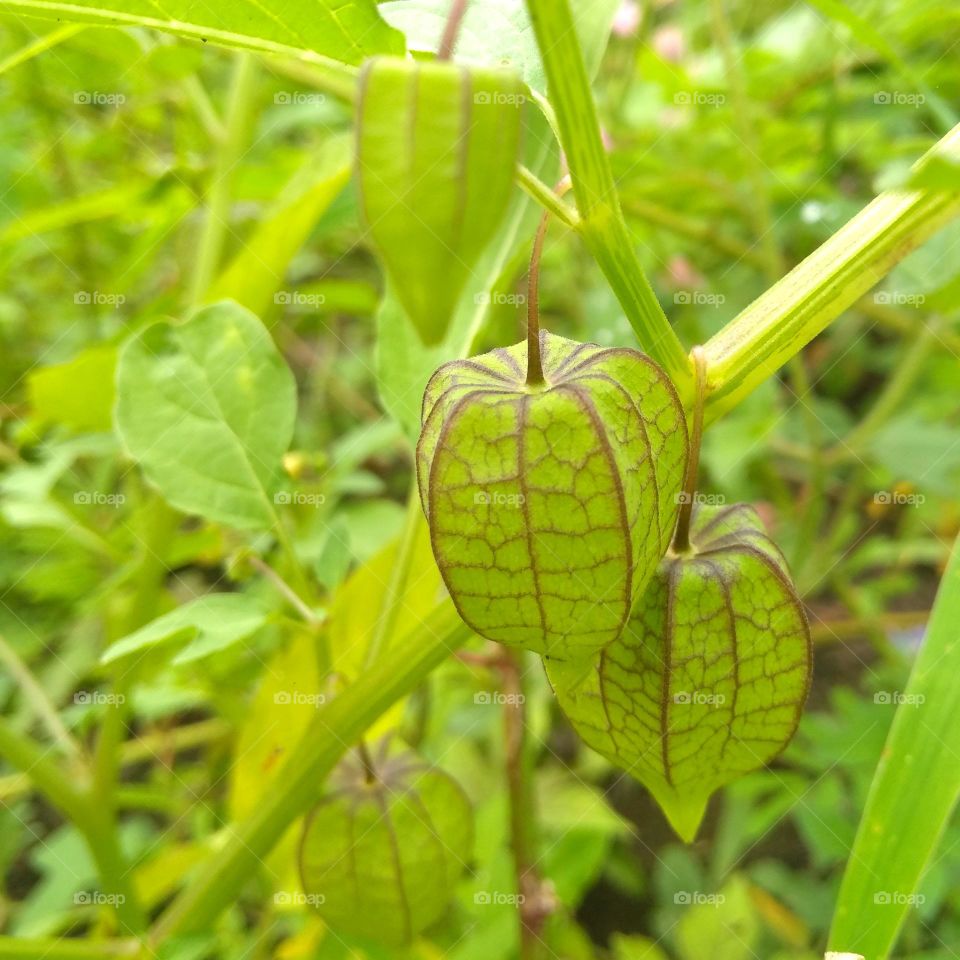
(534, 365)
(681, 538)
(451, 29)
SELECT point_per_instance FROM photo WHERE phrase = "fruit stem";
(369, 770)
(681, 538)
(534, 366)
(451, 29)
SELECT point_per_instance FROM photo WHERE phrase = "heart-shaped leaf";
(550, 505)
(437, 148)
(381, 853)
(207, 407)
(709, 678)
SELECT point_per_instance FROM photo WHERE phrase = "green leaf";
(722, 926)
(709, 678)
(404, 363)
(499, 32)
(257, 271)
(436, 154)
(914, 790)
(347, 31)
(867, 34)
(636, 948)
(208, 408)
(388, 851)
(549, 507)
(78, 393)
(211, 623)
(920, 451)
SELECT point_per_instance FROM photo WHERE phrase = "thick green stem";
(338, 726)
(791, 313)
(603, 227)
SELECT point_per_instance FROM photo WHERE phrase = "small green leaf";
(709, 678)
(211, 623)
(380, 857)
(550, 506)
(208, 407)
(436, 156)
(78, 393)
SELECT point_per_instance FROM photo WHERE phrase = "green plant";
(165, 615)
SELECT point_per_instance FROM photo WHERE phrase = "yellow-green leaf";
(79, 392)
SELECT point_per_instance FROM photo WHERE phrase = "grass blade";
(914, 790)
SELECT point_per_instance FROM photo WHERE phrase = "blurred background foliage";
(741, 138)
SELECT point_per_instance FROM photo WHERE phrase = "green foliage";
(220, 373)
(343, 31)
(381, 854)
(437, 146)
(255, 274)
(550, 505)
(79, 392)
(208, 624)
(156, 797)
(708, 680)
